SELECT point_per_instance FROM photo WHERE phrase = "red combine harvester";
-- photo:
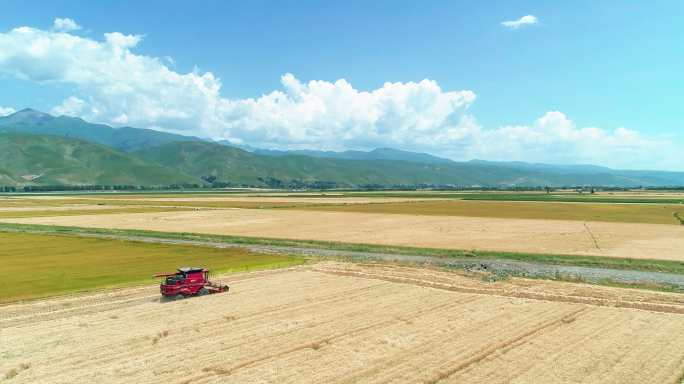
(188, 282)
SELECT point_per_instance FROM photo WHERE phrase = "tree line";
(295, 184)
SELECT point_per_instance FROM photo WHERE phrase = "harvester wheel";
(202, 292)
(178, 297)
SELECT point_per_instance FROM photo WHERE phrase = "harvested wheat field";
(346, 323)
(275, 198)
(66, 207)
(643, 241)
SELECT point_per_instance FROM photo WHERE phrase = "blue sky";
(603, 65)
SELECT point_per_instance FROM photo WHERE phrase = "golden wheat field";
(346, 323)
(633, 240)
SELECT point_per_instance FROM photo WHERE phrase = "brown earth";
(345, 323)
(647, 241)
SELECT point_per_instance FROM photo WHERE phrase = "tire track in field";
(315, 344)
(402, 364)
(593, 237)
(502, 347)
(101, 300)
(604, 326)
(127, 350)
(647, 306)
(389, 332)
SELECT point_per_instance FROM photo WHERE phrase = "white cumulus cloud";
(65, 25)
(554, 138)
(113, 84)
(118, 39)
(116, 85)
(335, 115)
(4, 111)
(71, 106)
(523, 21)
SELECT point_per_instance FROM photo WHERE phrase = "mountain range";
(39, 149)
(375, 154)
(125, 139)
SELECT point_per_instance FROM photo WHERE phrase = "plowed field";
(345, 323)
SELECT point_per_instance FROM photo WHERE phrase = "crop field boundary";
(651, 265)
(659, 275)
(62, 264)
(568, 198)
(653, 307)
(303, 322)
(535, 210)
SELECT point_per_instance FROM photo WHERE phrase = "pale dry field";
(346, 323)
(311, 199)
(647, 241)
(66, 207)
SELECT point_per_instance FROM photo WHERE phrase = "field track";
(349, 323)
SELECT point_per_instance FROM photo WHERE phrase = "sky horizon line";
(584, 113)
(249, 147)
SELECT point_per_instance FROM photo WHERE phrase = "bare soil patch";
(342, 323)
(645, 241)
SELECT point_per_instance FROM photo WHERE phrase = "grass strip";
(679, 216)
(643, 285)
(571, 278)
(669, 266)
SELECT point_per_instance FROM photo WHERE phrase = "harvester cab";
(188, 281)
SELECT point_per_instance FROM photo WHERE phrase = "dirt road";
(647, 241)
(348, 323)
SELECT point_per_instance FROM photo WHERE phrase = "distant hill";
(375, 154)
(52, 160)
(39, 149)
(620, 176)
(569, 174)
(558, 168)
(234, 165)
(229, 164)
(124, 139)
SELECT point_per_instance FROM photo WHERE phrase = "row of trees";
(58, 188)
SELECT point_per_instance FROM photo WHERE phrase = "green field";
(625, 213)
(36, 265)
